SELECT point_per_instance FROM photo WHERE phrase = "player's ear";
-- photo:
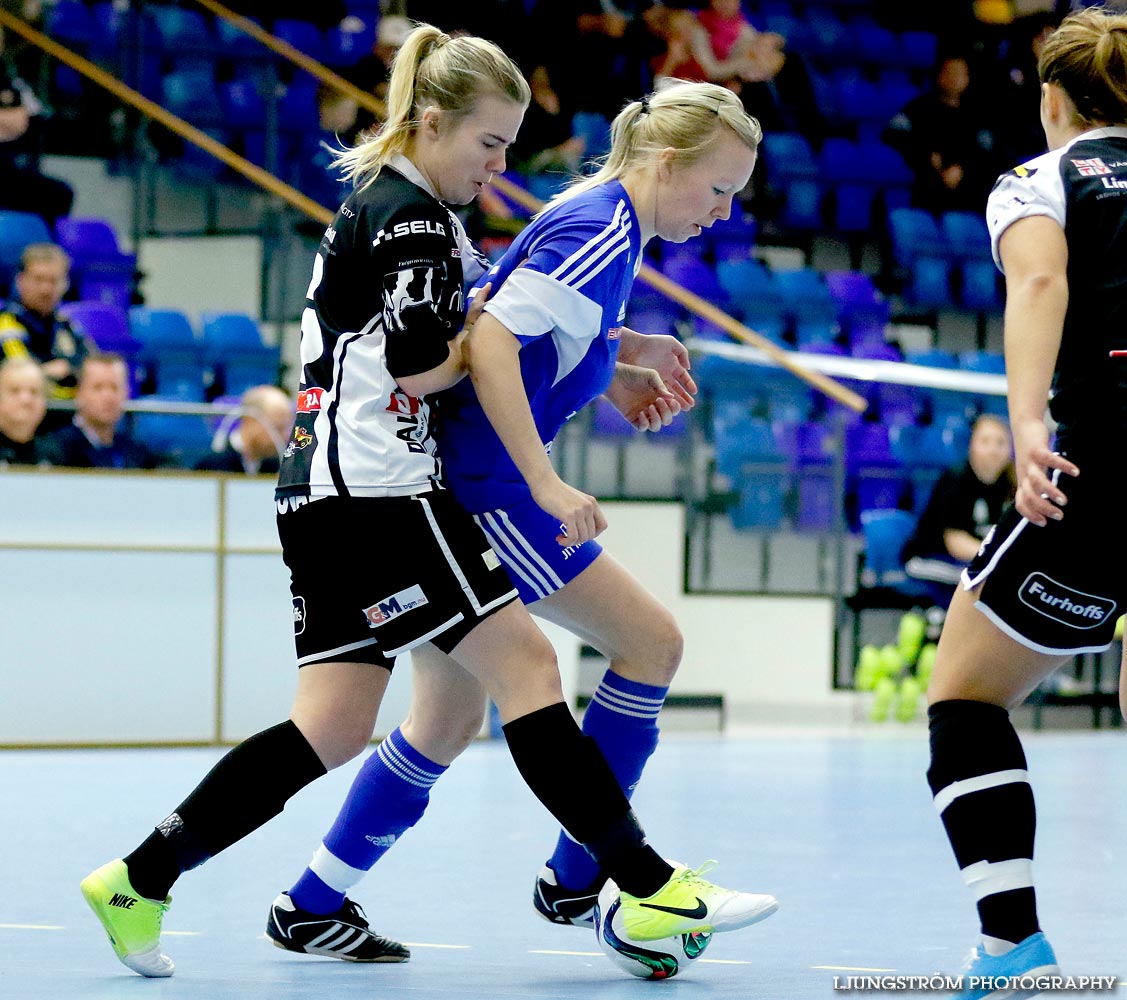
(430, 120)
(665, 161)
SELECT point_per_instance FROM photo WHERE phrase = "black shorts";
(1060, 588)
(373, 578)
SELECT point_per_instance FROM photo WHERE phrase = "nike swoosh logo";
(696, 913)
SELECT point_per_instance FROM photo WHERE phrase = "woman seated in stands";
(965, 504)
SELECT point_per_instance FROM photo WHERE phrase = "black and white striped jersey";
(1083, 186)
(384, 300)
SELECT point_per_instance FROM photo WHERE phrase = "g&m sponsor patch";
(383, 611)
(1091, 168)
(1063, 604)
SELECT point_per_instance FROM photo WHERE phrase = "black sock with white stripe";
(981, 786)
(567, 772)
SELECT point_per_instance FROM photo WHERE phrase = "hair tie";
(645, 105)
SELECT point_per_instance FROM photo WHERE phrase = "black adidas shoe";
(561, 905)
(344, 934)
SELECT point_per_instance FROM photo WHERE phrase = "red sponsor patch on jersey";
(614, 333)
(1091, 168)
(309, 400)
(403, 404)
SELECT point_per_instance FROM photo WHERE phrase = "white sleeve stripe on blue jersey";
(613, 245)
(620, 246)
(560, 272)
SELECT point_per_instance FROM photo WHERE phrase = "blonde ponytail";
(432, 69)
(686, 117)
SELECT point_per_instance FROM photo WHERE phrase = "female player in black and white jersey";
(1048, 582)
(382, 559)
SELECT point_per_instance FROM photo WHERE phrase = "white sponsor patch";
(1054, 600)
(489, 557)
(383, 611)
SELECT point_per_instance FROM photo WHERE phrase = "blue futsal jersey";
(561, 289)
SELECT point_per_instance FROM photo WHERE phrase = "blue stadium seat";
(170, 352)
(932, 357)
(915, 234)
(594, 130)
(761, 503)
(107, 325)
(986, 362)
(242, 103)
(346, 48)
(192, 94)
(181, 438)
(696, 276)
(179, 29)
(731, 238)
(980, 286)
(234, 350)
(966, 234)
(876, 45)
(302, 35)
(100, 270)
(232, 42)
(929, 282)
(885, 532)
(70, 22)
(918, 49)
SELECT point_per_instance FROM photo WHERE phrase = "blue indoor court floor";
(838, 825)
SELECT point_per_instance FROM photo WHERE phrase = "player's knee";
(442, 738)
(338, 743)
(669, 643)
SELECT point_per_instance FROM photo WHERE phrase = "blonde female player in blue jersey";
(553, 324)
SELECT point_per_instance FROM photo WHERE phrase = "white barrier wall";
(154, 608)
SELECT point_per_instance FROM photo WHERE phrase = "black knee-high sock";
(566, 771)
(981, 787)
(249, 786)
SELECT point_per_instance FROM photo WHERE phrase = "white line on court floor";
(31, 927)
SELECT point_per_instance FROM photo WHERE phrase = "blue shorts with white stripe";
(524, 536)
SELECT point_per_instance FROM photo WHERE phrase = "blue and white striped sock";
(622, 720)
(387, 797)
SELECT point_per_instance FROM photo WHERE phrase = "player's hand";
(1038, 499)
(643, 398)
(579, 515)
(477, 306)
(668, 357)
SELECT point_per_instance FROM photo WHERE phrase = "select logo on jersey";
(403, 404)
(1054, 600)
(1091, 168)
(419, 226)
(383, 611)
(309, 400)
(298, 615)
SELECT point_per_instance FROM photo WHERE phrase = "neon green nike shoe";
(132, 922)
(687, 904)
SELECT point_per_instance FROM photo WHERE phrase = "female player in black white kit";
(1048, 582)
(382, 559)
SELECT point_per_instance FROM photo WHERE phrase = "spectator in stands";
(966, 502)
(95, 440)
(546, 141)
(23, 404)
(22, 187)
(716, 47)
(30, 326)
(1017, 124)
(946, 143)
(266, 416)
(600, 53)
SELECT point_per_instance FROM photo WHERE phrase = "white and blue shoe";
(1012, 976)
